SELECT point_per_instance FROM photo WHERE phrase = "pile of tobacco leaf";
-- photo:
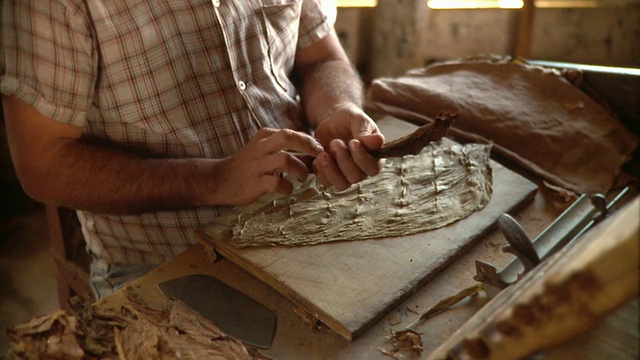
(133, 331)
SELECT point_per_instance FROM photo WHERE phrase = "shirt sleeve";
(316, 21)
(48, 59)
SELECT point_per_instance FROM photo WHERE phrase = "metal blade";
(230, 310)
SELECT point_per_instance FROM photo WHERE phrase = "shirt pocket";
(281, 23)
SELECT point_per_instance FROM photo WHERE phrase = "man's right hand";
(257, 168)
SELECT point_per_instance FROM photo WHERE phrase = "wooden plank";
(351, 285)
(617, 336)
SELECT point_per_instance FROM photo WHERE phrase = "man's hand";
(331, 92)
(346, 135)
(257, 168)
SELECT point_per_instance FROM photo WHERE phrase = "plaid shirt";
(189, 78)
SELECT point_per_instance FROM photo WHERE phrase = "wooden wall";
(401, 34)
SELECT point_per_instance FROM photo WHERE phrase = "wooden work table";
(296, 338)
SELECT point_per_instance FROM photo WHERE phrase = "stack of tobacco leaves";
(134, 331)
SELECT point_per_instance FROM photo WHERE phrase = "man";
(151, 117)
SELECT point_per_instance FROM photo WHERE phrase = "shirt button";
(242, 85)
(216, 3)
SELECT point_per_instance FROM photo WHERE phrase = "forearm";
(98, 179)
(326, 79)
(328, 85)
(56, 165)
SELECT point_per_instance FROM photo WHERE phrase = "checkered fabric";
(189, 78)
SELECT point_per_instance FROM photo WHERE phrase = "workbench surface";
(296, 338)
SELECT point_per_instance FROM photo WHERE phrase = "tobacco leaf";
(409, 337)
(392, 353)
(49, 336)
(413, 143)
(129, 331)
(411, 194)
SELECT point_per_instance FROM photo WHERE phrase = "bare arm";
(332, 93)
(327, 78)
(55, 166)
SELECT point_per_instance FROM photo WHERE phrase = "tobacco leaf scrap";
(410, 338)
(392, 353)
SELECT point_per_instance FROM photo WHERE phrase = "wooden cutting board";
(350, 285)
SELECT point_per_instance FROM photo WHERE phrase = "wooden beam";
(398, 37)
(524, 30)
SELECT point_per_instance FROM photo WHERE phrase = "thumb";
(368, 133)
(372, 141)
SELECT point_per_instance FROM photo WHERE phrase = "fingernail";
(353, 146)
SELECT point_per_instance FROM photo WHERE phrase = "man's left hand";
(346, 135)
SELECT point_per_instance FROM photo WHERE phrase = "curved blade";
(230, 310)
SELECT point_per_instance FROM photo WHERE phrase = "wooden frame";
(69, 254)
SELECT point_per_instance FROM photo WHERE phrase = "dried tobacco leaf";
(143, 340)
(446, 303)
(392, 353)
(412, 194)
(132, 331)
(409, 337)
(413, 143)
(50, 336)
(204, 332)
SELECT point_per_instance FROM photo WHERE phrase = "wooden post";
(524, 30)
(398, 35)
(72, 266)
